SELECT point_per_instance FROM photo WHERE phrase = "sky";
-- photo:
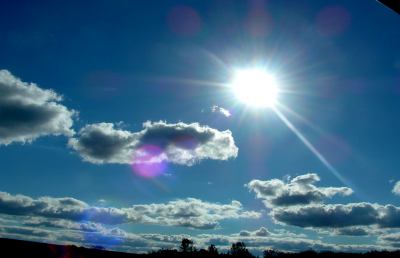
(120, 126)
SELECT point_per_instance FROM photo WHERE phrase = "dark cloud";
(392, 239)
(188, 212)
(179, 143)
(37, 222)
(102, 143)
(26, 231)
(259, 232)
(298, 191)
(28, 112)
(353, 231)
(339, 215)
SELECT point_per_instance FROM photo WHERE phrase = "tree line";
(239, 249)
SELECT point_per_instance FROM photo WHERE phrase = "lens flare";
(149, 161)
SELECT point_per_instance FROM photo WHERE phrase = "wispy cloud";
(221, 110)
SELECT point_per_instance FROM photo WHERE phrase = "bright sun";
(255, 87)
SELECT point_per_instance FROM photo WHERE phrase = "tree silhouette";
(212, 250)
(186, 245)
(271, 253)
(239, 249)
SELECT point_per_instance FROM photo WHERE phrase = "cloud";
(26, 231)
(298, 191)
(221, 110)
(282, 242)
(28, 112)
(121, 240)
(259, 232)
(102, 143)
(179, 143)
(396, 188)
(37, 222)
(354, 231)
(300, 203)
(339, 215)
(189, 212)
(392, 239)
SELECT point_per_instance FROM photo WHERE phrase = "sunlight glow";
(255, 87)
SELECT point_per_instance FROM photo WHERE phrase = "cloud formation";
(189, 212)
(300, 203)
(28, 111)
(298, 191)
(118, 239)
(392, 239)
(179, 143)
(339, 215)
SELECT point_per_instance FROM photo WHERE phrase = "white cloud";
(189, 212)
(221, 110)
(28, 112)
(179, 143)
(396, 188)
(298, 191)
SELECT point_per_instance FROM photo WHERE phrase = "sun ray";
(302, 119)
(311, 147)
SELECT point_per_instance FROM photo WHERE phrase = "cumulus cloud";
(178, 143)
(300, 203)
(28, 111)
(103, 143)
(221, 110)
(118, 239)
(339, 215)
(283, 242)
(392, 239)
(189, 212)
(396, 188)
(259, 232)
(298, 191)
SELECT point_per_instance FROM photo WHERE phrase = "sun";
(255, 87)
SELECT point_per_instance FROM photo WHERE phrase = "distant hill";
(20, 248)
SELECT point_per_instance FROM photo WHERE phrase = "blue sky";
(116, 79)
